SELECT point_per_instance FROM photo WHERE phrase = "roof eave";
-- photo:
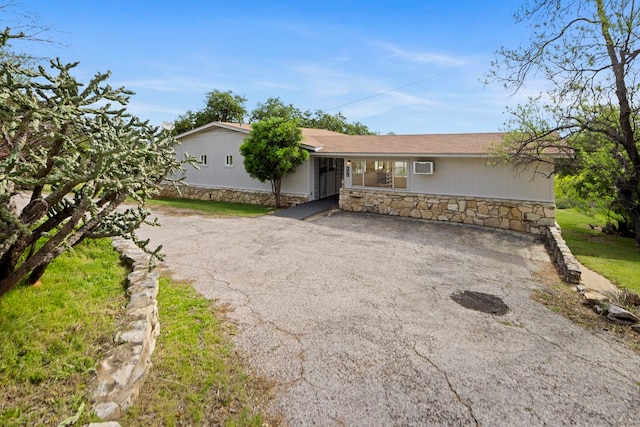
(208, 126)
(404, 155)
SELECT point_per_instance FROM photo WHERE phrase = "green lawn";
(53, 335)
(612, 256)
(213, 207)
(195, 379)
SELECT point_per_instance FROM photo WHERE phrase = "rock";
(107, 411)
(580, 288)
(619, 315)
(594, 298)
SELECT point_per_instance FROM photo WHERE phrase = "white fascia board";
(212, 125)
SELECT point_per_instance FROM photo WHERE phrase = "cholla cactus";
(77, 155)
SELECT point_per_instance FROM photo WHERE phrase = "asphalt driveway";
(351, 315)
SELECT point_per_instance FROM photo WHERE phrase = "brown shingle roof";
(434, 144)
(324, 141)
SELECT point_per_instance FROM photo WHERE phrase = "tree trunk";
(37, 273)
(277, 183)
(628, 196)
(627, 187)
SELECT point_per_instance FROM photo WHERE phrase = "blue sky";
(346, 56)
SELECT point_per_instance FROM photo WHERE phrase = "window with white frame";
(380, 173)
(228, 161)
(203, 159)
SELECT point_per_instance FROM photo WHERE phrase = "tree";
(274, 107)
(337, 123)
(76, 154)
(273, 151)
(587, 51)
(219, 107)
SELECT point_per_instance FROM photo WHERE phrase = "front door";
(328, 176)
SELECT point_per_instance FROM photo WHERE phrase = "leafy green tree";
(337, 123)
(587, 51)
(274, 107)
(219, 107)
(273, 151)
(75, 154)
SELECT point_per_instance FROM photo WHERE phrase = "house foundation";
(517, 215)
(230, 195)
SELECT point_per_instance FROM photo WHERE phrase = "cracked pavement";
(351, 316)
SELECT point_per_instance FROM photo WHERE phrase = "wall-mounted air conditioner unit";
(423, 168)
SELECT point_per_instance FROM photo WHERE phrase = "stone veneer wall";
(562, 256)
(516, 215)
(123, 371)
(230, 195)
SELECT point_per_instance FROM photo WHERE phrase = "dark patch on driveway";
(479, 301)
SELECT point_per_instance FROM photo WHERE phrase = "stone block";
(532, 217)
(492, 222)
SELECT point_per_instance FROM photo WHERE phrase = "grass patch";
(614, 257)
(196, 379)
(564, 300)
(213, 208)
(53, 335)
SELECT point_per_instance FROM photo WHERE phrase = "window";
(203, 159)
(379, 173)
(228, 161)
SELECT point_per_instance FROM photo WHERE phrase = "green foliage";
(274, 107)
(219, 107)
(212, 208)
(273, 151)
(53, 335)
(79, 142)
(195, 378)
(587, 50)
(610, 255)
(589, 182)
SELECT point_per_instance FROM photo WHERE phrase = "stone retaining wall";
(528, 217)
(230, 195)
(562, 256)
(123, 371)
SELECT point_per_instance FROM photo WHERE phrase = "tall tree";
(76, 155)
(587, 50)
(274, 107)
(273, 151)
(219, 107)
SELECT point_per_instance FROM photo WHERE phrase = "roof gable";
(238, 127)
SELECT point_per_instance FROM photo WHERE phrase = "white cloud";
(420, 57)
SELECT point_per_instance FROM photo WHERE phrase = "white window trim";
(378, 161)
(228, 161)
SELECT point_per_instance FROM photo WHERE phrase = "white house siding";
(464, 190)
(218, 143)
(477, 177)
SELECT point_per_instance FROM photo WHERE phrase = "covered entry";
(327, 176)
